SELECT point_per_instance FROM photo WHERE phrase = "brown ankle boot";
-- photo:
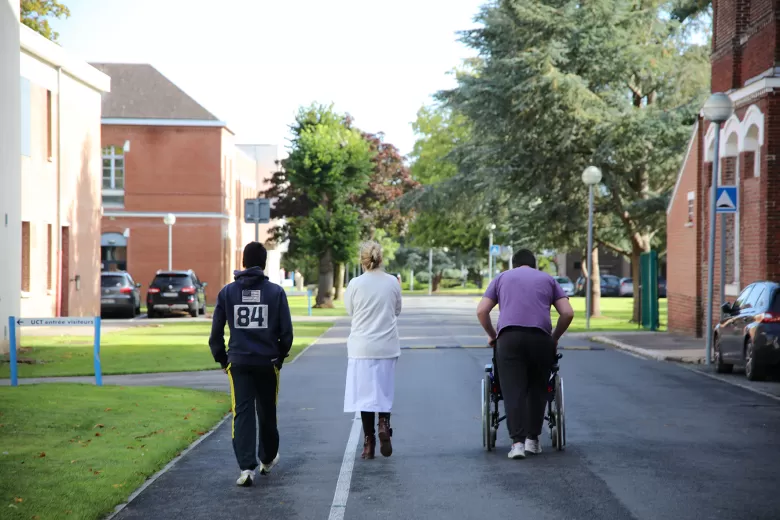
(369, 447)
(385, 432)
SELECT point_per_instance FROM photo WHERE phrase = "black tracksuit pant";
(524, 358)
(254, 390)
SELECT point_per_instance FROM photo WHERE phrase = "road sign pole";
(12, 350)
(430, 272)
(308, 300)
(98, 368)
(722, 259)
(257, 232)
(490, 258)
(170, 247)
(711, 247)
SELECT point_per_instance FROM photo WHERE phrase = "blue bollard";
(308, 299)
(12, 350)
(98, 373)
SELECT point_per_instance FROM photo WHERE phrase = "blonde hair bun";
(370, 255)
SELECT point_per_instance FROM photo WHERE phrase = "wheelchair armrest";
(489, 367)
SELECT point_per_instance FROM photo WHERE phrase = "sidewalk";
(662, 346)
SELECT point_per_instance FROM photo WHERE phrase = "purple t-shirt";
(524, 297)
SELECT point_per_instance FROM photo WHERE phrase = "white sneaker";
(246, 479)
(517, 451)
(265, 469)
(533, 447)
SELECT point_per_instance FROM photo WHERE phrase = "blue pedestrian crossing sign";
(726, 199)
(495, 250)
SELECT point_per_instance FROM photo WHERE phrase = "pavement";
(662, 346)
(645, 440)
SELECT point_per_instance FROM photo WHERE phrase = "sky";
(252, 63)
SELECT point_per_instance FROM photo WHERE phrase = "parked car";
(626, 287)
(119, 294)
(749, 332)
(662, 288)
(610, 285)
(566, 285)
(176, 291)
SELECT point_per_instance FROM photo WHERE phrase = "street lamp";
(170, 220)
(491, 228)
(717, 109)
(591, 176)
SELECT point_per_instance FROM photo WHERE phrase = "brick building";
(744, 53)
(60, 173)
(164, 153)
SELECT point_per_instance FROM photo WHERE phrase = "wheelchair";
(491, 396)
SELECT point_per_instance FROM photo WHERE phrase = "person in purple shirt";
(526, 344)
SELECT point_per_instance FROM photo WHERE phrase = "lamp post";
(717, 109)
(170, 220)
(591, 176)
(491, 228)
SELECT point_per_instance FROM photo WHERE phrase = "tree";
(389, 181)
(34, 14)
(416, 259)
(328, 165)
(562, 84)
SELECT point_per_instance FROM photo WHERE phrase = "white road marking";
(339, 504)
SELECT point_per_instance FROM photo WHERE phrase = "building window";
(691, 200)
(48, 125)
(113, 176)
(25, 257)
(49, 263)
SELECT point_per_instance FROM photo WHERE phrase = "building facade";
(164, 153)
(60, 100)
(744, 56)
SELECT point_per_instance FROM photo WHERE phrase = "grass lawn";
(616, 315)
(176, 347)
(299, 307)
(76, 451)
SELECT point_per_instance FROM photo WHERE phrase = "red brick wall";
(682, 254)
(770, 185)
(170, 168)
(758, 53)
(197, 245)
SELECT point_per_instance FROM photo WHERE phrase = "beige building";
(60, 100)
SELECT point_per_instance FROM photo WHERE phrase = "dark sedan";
(119, 294)
(749, 332)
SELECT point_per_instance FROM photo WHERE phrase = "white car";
(626, 287)
(566, 285)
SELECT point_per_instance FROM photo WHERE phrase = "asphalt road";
(646, 440)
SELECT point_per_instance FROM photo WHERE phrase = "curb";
(148, 482)
(444, 347)
(645, 353)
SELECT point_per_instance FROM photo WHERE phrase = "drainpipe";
(59, 193)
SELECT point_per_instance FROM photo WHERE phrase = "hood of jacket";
(250, 276)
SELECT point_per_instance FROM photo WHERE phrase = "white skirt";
(370, 385)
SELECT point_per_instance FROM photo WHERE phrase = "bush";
(422, 277)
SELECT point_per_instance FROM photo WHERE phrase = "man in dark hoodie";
(261, 334)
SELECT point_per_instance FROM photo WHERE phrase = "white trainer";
(265, 469)
(533, 447)
(517, 451)
(246, 479)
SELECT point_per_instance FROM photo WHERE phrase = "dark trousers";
(254, 391)
(524, 359)
(368, 418)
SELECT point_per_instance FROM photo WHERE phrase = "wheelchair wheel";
(563, 412)
(486, 426)
(560, 427)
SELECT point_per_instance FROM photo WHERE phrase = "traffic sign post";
(726, 200)
(14, 322)
(495, 250)
(257, 211)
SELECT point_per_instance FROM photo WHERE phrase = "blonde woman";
(373, 300)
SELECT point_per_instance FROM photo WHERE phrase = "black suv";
(176, 291)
